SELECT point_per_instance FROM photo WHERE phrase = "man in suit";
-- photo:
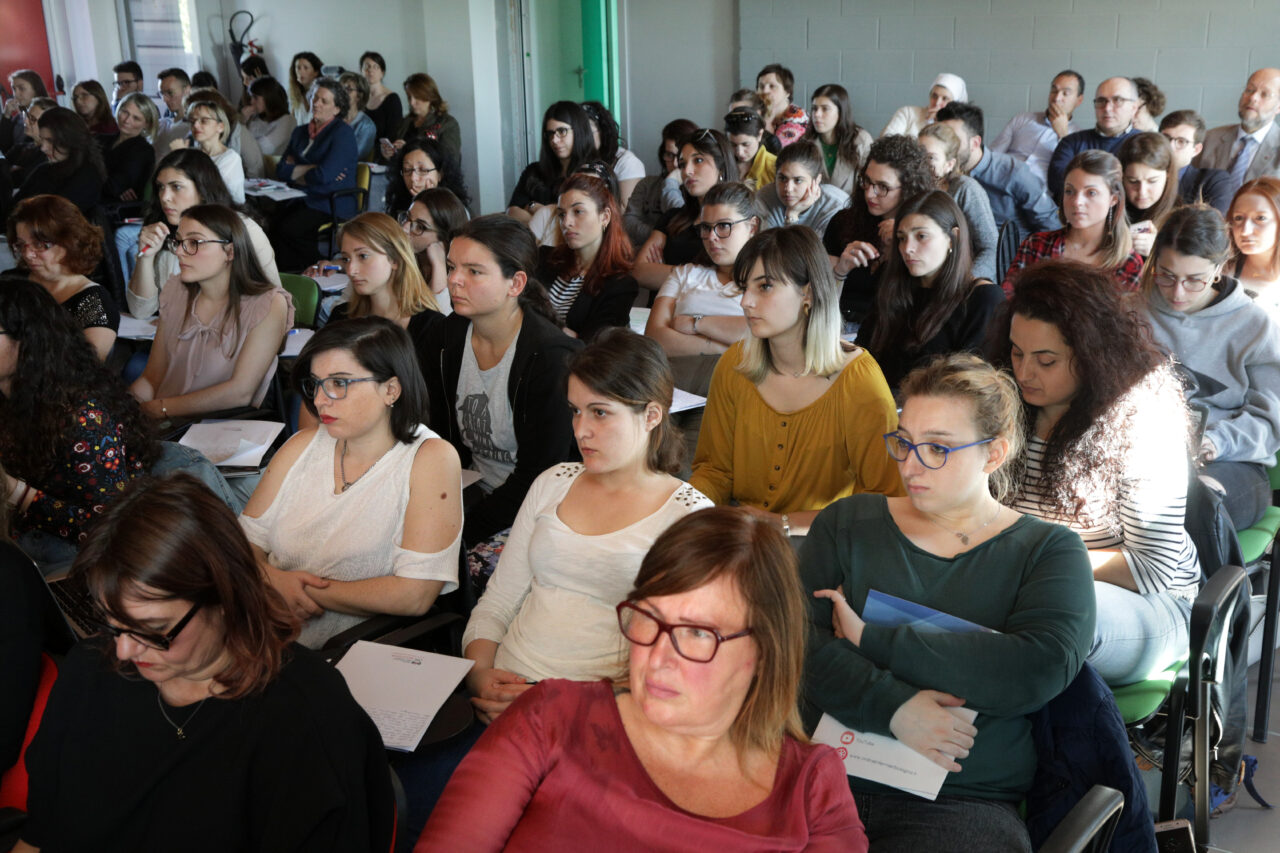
(1114, 106)
(1185, 131)
(1251, 148)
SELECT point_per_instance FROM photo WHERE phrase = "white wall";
(887, 52)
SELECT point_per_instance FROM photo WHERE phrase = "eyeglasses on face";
(930, 453)
(1168, 281)
(421, 171)
(334, 387)
(191, 245)
(697, 643)
(723, 228)
(127, 81)
(557, 132)
(876, 189)
(21, 248)
(1178, 142)
(416, 227)
(161, 642)
(1115, 101)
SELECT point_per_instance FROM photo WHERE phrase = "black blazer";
(129, 166)
(1213, 186)
(589, 313)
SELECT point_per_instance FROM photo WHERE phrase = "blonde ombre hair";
(385, 236)
(793, 255)
(1117, 243)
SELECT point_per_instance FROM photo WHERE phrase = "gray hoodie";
(1231, 348)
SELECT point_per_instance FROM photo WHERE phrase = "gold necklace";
(964, 537)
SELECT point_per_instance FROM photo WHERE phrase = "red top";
(1050, 244)
(557, 771)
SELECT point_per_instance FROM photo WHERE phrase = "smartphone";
(1175, 836)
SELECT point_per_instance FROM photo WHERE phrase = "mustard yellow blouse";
(764, 167)
(802, 460)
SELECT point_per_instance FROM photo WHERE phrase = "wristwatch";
(696, 318)
(786, 525)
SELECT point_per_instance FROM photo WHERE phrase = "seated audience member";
(794, 415)
(385, 281)
(648, 200)
(129, 158)
(948, 545)
(1013, 190)
(26, 85)
(92, 105)
(209, 133)
(419, 166)
(252, 67)
(1106, 456)
(1253, 217)
(706, 159)
(860, 236)
(745, 129)
(73, 166)
(721, 685)
(589, 273)
(567, 143)
(239, 138)
(384, 105)
(1151, 103)
(27, 154)
(183, 179)
(321, 159)
(1185, 131)
(1150, 186)
(305, 70)
(365, 130)
(844, 142)
(71, 437)
(126, 78)
(428, 118)
(430, 223)
(22, 629)
(908, 120)
(195, 702)
(750, 99)
(271, 124)
(605, 133)
(174, 85)
(929, 302)
(1032, 136)
(57, 248)
(1096, 230)
(204, 80)
(945, 155)
(782, 118)
(1250, 149)
(1230, 350)
(495, 375)
(218, 352)
(798, 194)
(361, 514)
(1114, 106)
(696, 315)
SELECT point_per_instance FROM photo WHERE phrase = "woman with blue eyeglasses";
(952, 546)
(361, 514)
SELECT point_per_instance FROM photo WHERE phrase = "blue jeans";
(127, 249)
(904, 822)
(1137, 635)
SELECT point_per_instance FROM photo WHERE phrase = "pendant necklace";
(964, 537)
(180, 729)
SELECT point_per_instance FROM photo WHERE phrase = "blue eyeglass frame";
(890, 437)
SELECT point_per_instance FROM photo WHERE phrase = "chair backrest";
(1210, 528)
(1007, 247)
(306, 298)
(1088, 827)
(1273, 474)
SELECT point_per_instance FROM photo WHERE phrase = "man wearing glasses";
(1185, 131)
(127, 77)
(1251, 148)
(1114, 106)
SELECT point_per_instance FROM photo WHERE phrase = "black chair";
(1088, 827)
(1006, 247)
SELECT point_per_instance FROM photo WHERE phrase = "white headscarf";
(953, 84)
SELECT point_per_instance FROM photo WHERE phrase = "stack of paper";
(233, 444)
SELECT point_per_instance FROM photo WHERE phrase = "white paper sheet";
(133, 329)
(334, 282)
(402, 690)
(639, 319)
(683, 401)
(295, 341)
(232, 444)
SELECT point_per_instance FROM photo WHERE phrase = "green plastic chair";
(306, 298)
(1254, 542)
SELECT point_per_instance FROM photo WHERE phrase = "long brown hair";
(1269, 188)
(1151, 150)
(1117, 244)
(247, 276)
(173, 539)
(383, 234)
(614, 258)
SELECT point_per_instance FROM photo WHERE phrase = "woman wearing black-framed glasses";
(194, 700)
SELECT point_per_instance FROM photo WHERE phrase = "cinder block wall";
(887, 52)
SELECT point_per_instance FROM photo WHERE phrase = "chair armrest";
(1094, 817)
(1212, 611)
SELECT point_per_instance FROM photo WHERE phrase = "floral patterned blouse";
(791, 125)
(93, 469)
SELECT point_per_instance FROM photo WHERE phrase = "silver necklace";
(964, 537)
(342, 467)
(180, 729)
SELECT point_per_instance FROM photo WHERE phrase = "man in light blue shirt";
(1016, 193)
(1032, 136)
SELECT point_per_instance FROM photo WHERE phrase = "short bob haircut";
(218, 112)
(385, 236)
(174, 539)
(633, 370)
(1196, 230)
(1116, 240)
(382, 348)
(793, 256)
(56, 220)
(254, 67)
(377, 60)
(362, 88)
(756, 558)
(785, 77)
(993, 395)
(1151, 150)
(423, 88)
(340, 98)
(273, 97)
(1269, 189)
(143, 104)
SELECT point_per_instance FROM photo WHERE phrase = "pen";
(330, 268)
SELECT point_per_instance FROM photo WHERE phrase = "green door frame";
(600, 52)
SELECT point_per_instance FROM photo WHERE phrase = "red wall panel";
(24, 40)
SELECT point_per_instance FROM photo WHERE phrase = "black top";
(684, 246)
(93, 306)
(129, 166)
(83, 187)
(536, 389)
(964, 331)
(386, 118)
(422, 327)
(298, 767)
(589, 313)
(21, 634)
(533, 187)
(858, 291)
(1212, 186)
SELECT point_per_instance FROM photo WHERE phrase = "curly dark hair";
(57, 220)
(57, 371)
(906, 156)
(398, 197)
(1124, 380)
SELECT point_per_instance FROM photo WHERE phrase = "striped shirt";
(1152, 537)
(562, 294)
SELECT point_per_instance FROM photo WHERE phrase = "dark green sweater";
(1032, 583)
